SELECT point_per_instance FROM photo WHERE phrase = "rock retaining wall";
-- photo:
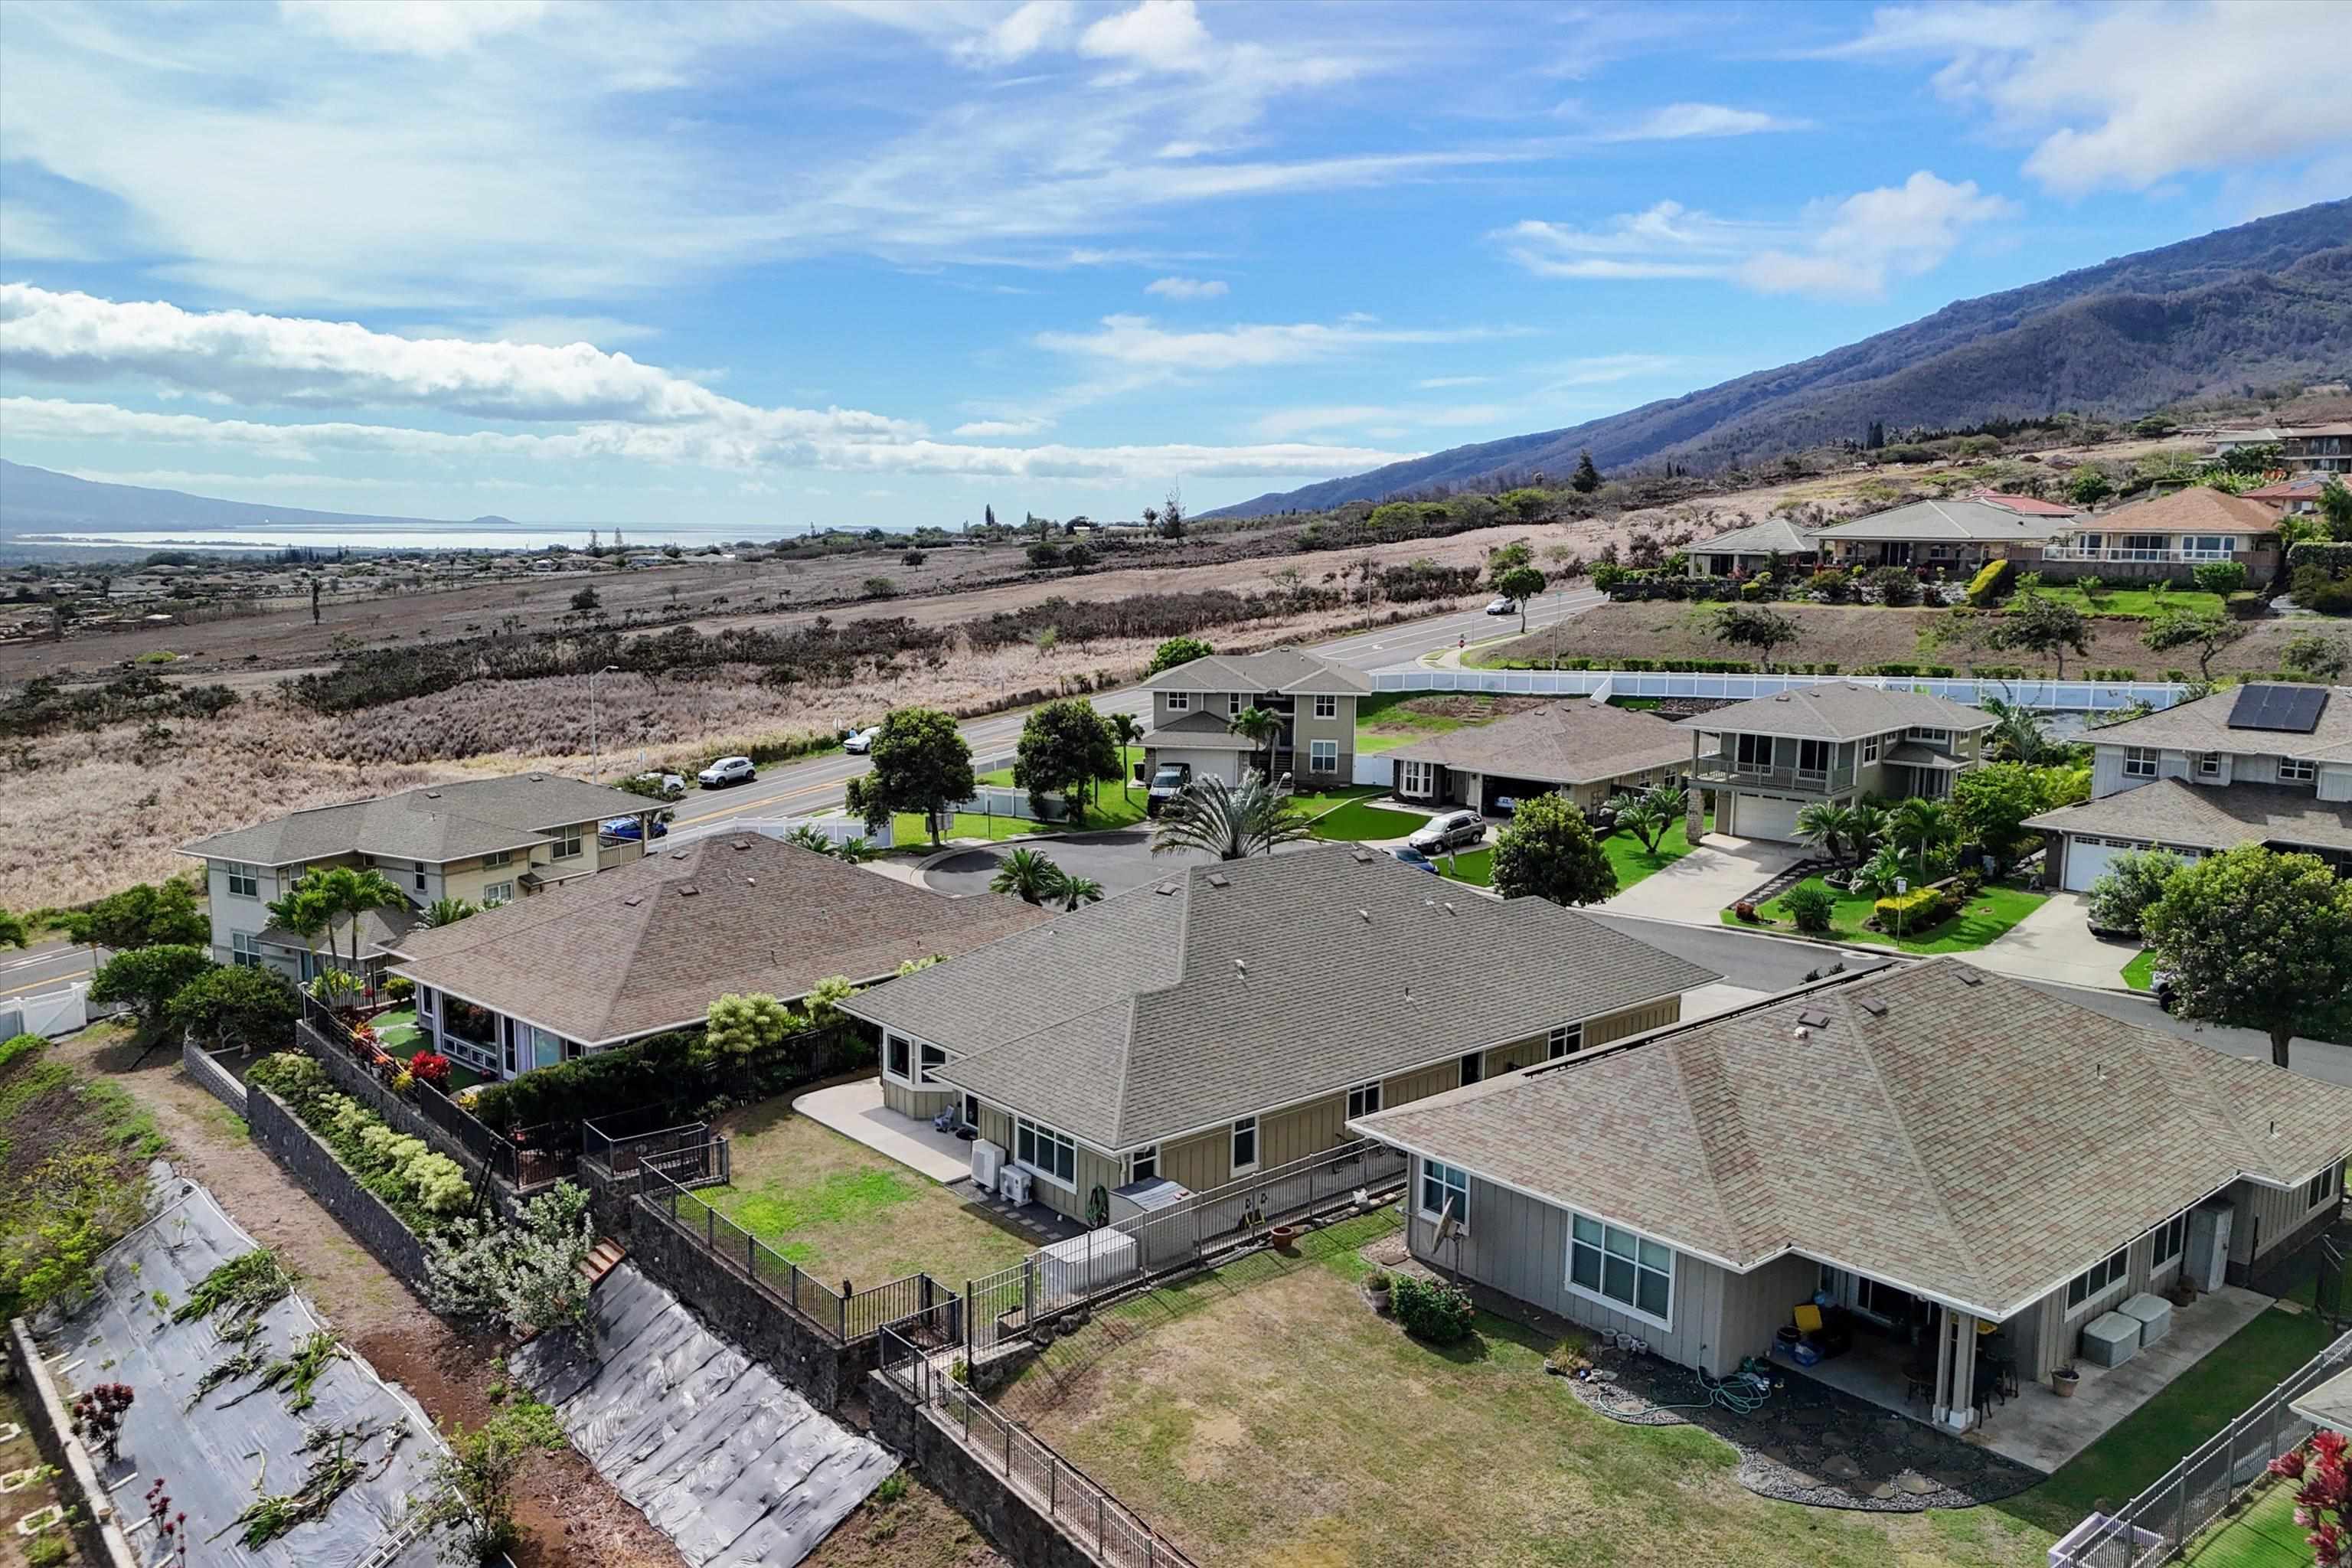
(308, 1159)
(1012, 1525)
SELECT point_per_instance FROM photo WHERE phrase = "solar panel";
(2286, 709)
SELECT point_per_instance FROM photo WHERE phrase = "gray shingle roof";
(1948, 1130)
(2208, 816)
(1199, 732)
(654, 943)
(2203, 725)
(1841, 710)
(1159, 1013)
(1569, 742)
(1933, 520)
(1760, 539)
(1284, 669)
(380, 931)
(439, 822)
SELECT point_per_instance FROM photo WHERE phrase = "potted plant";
(2064, 1381)
(1284, 1236)
(1377, 1285)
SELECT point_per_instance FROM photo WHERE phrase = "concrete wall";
(315, 1167)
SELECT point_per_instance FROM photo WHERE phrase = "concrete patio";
(855, 1110)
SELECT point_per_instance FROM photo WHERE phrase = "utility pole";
(596, 748)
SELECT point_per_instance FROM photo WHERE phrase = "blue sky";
(867, 262)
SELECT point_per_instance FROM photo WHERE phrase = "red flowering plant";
(430, 1067)
(2324, 1498)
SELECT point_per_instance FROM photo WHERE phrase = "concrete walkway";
(855, 1110)
(1695, 889)
(2055, 943)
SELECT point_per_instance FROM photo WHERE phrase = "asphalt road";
(806, 788)
(43, 967)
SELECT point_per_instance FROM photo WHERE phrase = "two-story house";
(1769, 758)
(2260, 764)
(487, 841)
(1193, 706)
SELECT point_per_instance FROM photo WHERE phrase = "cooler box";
(2154, 1315)
(2110, 1339)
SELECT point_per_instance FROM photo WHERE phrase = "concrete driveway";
(2055, 943)
(1696, 888)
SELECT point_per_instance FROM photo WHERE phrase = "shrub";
(400, 988)
(1895, 585)
(1431, 1310)
(430, 1067)
(881, 588)
(2132, 881)
(1832, 586)
(1993, 584)
(2222, 577)
(2318, 588)
(1911, 913)
(20, 1048)
(438, 1181)
(1809, 907)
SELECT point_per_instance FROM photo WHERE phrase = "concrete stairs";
(601, 1260)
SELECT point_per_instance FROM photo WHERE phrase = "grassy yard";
(1264, 1415)
(1356, 821)
(1625, 854)
(843, 1212)
(1390, 719)
(1988, 915)
(2140, 973)
(2135, 602)
(398, 1033)
(2264, 1536)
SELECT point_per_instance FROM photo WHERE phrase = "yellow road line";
(54, 982)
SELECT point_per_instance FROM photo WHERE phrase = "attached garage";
(2087, 858)
(1765, 816)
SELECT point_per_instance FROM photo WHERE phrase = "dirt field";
(1851, 637)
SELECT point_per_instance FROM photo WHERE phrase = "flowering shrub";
(430, 1067)
(439, 1183)
(2324, 1497)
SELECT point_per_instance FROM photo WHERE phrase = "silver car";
(726, 771)
(1455, 830)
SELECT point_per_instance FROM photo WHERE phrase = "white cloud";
(1433, 383)
(1683, 122)
(1134, 341)
(1163, 35)
(1002, 426)
(1023, 31)
(2128, 96)
(1186, 288)
(1839, 248)
(432, 29)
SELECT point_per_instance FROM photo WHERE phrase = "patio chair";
(1830, 1333)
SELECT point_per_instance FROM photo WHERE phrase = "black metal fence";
(687, 1151)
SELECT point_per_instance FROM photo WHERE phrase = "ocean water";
(407, 536)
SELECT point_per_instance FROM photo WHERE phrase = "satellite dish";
(1445, 1222)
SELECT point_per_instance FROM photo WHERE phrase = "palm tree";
(856, 850)
(337, 894)
(1830, 826)
(1869, 830)
(449, 912)
(1028, 875)
(1126, 730)
(1876, 878)
(1921, 824)
(809, 835)
(1076, 890)
(2020, 736)
(1229, 821)
(1260, 728)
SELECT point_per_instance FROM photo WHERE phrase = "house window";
(420, 875)
(1870, 750)
(244, 881)
(1566, 1038)
(2170, 1237)
(1048, 1155)
(2095, 1279)
(898, 1056)
(2297, 769)
(244, 948)
(424, 999)
(1322, 756)
(1616, 1266)
(1244, 1145)
(497, 893)
(1363, 1099)
(1934, 737)
(1179, 702)
(1754, 750)
(931, 1059)
(1143, 1165)
(1474, 1067)
(503, 857)
(1327, 708)
(1416, 778)
(1443, 1185)
(567, 844)
(1813, 756)
(2139, 762)
(2322, 1188)
(2208, 764)
(1233, 704)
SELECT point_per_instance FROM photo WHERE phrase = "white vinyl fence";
(51, 1015)
(2060, 696)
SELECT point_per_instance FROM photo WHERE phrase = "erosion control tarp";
(219, 1452)
(727, 1461)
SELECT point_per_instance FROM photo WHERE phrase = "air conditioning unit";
(1012, 1185)
(987, 1160)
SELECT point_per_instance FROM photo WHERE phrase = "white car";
(666, 787)
(726, 771)
(860, 744)
(1501, 606)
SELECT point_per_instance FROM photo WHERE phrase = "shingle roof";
(1239, 986)
(1199, 732)
(652, 944)
(2208, 816)
(2203, 724)
(438, 822)
(1283, 669)
(1569, 742)
(2199, 508)
(380, 931)
(1760, 539)
(2034, 506)
(1841, 710)
(1951, 519)
(1945, 1129)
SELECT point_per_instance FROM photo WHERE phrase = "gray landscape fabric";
(218, 1453)
(730, 1464)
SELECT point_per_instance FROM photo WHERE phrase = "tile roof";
(2203, 724)
(652, 944)
(1283, 669)
(1239, 986)
(1199, 732)
(1569, 742)
(1760, 539)
(1948, 1129)
(1841, 710)
(2208, 816)
(435, 823)
(2198, 509)
(2305, 486)
(1950, 519)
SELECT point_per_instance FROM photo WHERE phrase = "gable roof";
(1950, 1130)
(2208, 816)
(1951, 519)
(2203, 724)
(2031, 506)
(1288, 670)
(1569, 742)
(651, 945)
(1841, 710)
(1198, 732)
(434, 823)
(1240, 986)
(1760, 539)
(2198, 509)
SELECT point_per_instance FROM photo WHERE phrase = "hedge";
(1915, 910)
(2334, 558)
(672, 1069)
(1993, 584)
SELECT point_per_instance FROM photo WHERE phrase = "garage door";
(2087, 860)
(1764, 817)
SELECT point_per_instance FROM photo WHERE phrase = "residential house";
(2317, 448)
(1233, 1017)
(2168, 536)
(2298, 497)
(1768, 758)
(487, 841)
(1936, 1149)
(1193, 706)
(2260, 764)
(1744, 552)
(647, 949)
(1956, 537)
(1586, 750)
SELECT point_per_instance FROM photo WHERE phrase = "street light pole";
(595, 749)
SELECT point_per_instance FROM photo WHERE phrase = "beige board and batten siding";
(2267, 1218)
(1093, 1169)
(919, 1103)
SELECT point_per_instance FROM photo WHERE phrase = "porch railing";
(1715, 767)
(2125, 553)
(685, 1150)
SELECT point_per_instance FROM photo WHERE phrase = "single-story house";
(1750, 550)
(1588, 750)
(2170, 535)
(2297, 497)
(1232, 1018)
(1838, 742)
(1956, 536)
(647, 949)
(1934, 1149)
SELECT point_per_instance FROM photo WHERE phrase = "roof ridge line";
(1706, 1157)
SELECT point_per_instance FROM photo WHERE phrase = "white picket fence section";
(50, 1014)
(836, 829)
(2056, 696)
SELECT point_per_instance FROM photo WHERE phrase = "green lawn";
(1356, 821)
(1332, 799)
(1630, 861)
(397, 1032)
(2264, 1536)
(2140, 973)
(2139, 601)
(843, 1212)
(1988, 915)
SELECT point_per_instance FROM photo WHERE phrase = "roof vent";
(433, 795)
(678, 854)
(1813, 1018)
(1219, 880)
(1872, 1006)
(689, 891)
(1364, 915)
(739, 844)
(1165, 890)
(1450, 909)
(634, 900)
(1971, 977)
(1361, 856)
(1241, 967)
(538, 778)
